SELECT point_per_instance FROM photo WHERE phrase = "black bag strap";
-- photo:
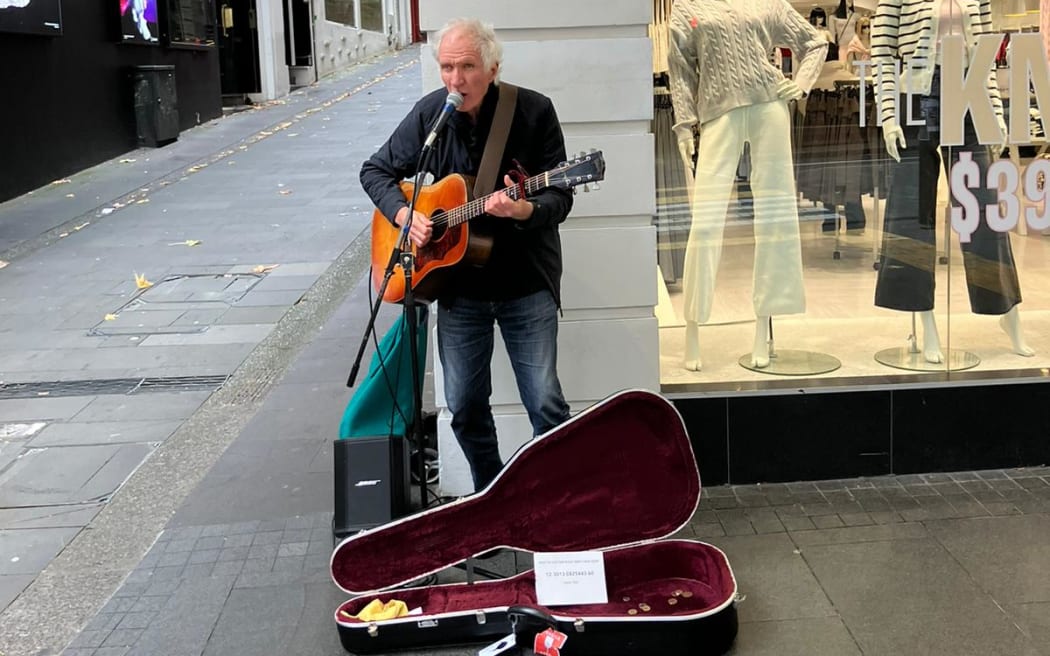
(485, 183)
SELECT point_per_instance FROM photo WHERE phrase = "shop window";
(846, 264)
(372, 15)
(191, 22)
(340, 11)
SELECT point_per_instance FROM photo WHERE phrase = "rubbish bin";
(156, 105)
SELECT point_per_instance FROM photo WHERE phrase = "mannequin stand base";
(794, 363)
(904, 358)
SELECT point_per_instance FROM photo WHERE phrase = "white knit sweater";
(720, 55)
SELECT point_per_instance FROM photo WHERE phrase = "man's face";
(463, 71)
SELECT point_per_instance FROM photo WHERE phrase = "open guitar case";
(617, 477)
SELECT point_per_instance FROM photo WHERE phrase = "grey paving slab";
(22, 410)
(1007, 556)
(142, 407)
(77, 515)
(66, 475)
(845, 535)
(776, 579)
(1034, 619)
(79, 433)
(271, 298)
(806, 637)
(28, 551)
(912, 597)
(238, 334)
(273, 283)
(253, 315)
(184, 623)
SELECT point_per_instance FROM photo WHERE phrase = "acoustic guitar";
(448, 204)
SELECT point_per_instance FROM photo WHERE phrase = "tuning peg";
(597, 186)
(586, 188)
(594, 151)
(583, 153)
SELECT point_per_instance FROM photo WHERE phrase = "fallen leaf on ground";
(62, 181)
(141, 282)
(2, 264)
(141, 201)
(82, 226)
(265, 268)
(285, 192)
(107, 210)
(110, 317)
(188, 242)
(127, 160)
(71, 195)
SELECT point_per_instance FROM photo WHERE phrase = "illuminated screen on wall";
(31, 16)
(138, 21)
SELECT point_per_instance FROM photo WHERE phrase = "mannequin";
(843, 24)
(906, 271)
(859, 48)
(818, 18)
(722, 81)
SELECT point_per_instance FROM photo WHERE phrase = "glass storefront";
(860, 234)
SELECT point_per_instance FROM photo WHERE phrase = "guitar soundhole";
(440, 226)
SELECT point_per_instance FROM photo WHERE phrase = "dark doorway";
(238, 51)
(298, 33)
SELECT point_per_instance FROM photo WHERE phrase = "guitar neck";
(476, 207)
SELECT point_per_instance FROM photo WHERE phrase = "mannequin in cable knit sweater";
(722, 81)
(912, 30)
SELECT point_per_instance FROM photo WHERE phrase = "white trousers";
(777, 284)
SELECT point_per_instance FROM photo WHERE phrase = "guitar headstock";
(586, 169)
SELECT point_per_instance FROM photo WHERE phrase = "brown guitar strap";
(485, 183)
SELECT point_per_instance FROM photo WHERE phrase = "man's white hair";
(481, 34)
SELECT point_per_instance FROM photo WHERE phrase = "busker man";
(519, 286)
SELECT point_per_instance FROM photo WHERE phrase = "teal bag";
(371, 411)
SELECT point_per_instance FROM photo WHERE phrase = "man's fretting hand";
(502, 205)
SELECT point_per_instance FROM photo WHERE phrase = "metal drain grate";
(100, 387)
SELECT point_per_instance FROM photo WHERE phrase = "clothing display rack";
(839, 162)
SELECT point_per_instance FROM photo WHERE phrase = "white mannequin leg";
(692, 346)
(760, 351)
(931, 340)
(1011, 324)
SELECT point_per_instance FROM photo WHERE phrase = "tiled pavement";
(778, 507)
(262, 586)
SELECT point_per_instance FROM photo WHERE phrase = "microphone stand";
(402, 253)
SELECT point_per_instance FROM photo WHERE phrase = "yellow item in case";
(377, 610)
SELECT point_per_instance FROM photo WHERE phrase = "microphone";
(452, 103)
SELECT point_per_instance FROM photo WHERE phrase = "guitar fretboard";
(476, 207)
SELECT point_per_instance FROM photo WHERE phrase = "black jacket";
(526, 255)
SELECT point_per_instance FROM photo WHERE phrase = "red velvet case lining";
(620, 472)
(648, 574)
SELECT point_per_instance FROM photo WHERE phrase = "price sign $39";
(1004, 177)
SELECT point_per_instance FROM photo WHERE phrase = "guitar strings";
(476, 207)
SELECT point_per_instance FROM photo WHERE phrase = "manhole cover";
(164, 307)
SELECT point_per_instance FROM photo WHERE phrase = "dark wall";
(806, 437)
(67, 100)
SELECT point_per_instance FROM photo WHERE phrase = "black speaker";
(371, 483)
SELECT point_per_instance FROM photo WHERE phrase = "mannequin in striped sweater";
(723, 82)
(911, 31)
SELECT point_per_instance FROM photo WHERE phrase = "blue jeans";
(529, 326)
